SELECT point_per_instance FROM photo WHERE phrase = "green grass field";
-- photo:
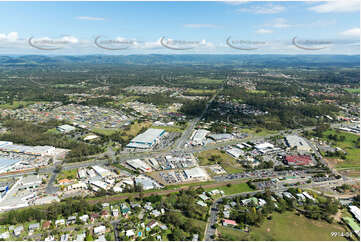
(206, 81)
(106, 132)
(353, 90)
(229, 164)
(259, 131)
(353, 153)
(169, 128)
(287, 226)
(234, 188)
(16, 104)
(200, 92)
(68, 174)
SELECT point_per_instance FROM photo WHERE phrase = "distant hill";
(153, 59)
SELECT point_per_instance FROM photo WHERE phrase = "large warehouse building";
(298, 142)
(147, 139)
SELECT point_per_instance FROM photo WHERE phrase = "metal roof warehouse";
(147, 138)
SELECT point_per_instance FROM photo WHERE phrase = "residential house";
(201, 203)
(152, 224)
(99, 230)
(71, 220)
(155, 213)
(129, 233)
(46, 224)
(84, 218)
(18, 230)
(80, 237)
(33, 227)
(59, 222)
(227, 222)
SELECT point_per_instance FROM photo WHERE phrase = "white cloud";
(197, 26)
(278, 23)
(354, 32)
(264, 31)
(266, 9)
(232, 2)
(90, 18)
(11, 37)
(337, 7)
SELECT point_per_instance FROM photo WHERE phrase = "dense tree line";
(27, 133)
(51, 212)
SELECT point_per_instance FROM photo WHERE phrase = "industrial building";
(147, 139)
(199, 136)
(235, 152)
(65, 128)
(6, 162)
(7, 146)
(196, 173)
(298, 160)
(221, 137)
(101, 171)
(298, 142)
(138, 164)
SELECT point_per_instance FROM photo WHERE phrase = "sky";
(229, 27)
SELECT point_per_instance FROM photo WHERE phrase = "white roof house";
(309, 196)
(18, 230)
(84, 218)
(129, 233)
(60, 221)
(301, 197)
(100, 229)
(201, 203)
(5, 235)
(203, 197)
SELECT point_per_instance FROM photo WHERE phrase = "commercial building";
(298, 142)
(147, 139)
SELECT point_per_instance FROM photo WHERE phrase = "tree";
(58, 168)
(89, 237)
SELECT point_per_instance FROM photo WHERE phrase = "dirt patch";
(332, 162)
(337, 217)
